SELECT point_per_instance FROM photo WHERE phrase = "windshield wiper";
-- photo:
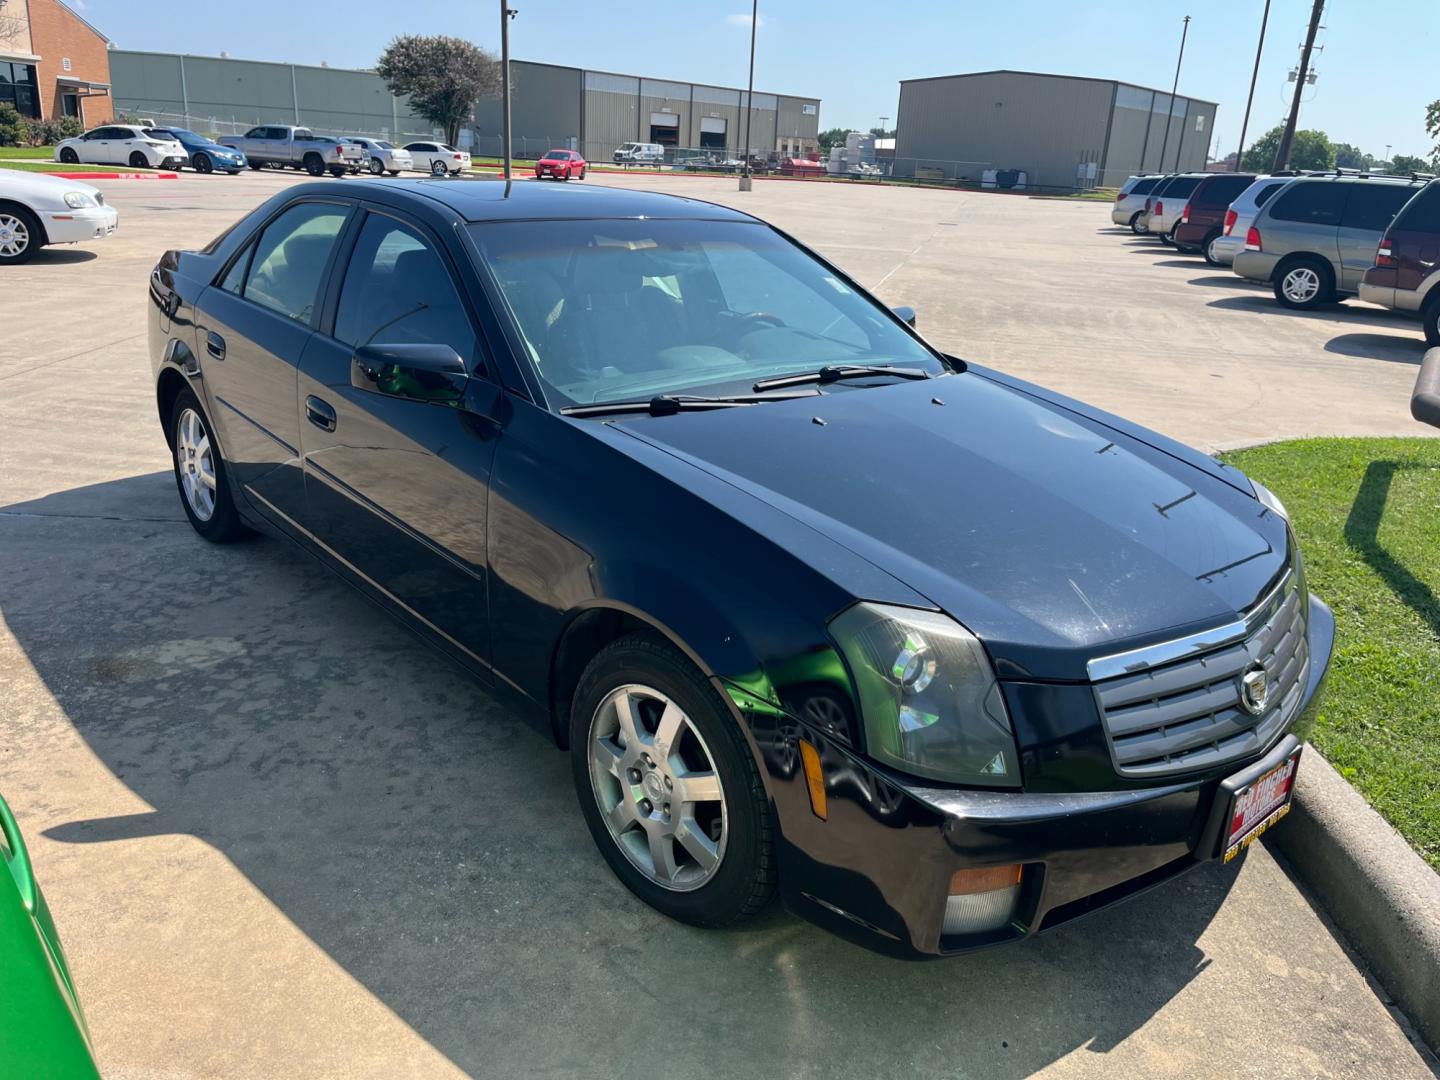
(665, 405)
(835, 372)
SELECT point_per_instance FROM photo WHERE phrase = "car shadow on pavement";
(1182, 263)
(1365, 315)
(1362, 534)
(1379, 347)
(62, 256)
(429, 841)
(1225, 281)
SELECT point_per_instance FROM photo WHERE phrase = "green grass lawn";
(55, 166)
(31, 153)
(1367, 512)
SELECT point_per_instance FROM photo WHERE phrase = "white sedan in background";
(383, 157)
(123, 144)
(36, 210)
(438, 158)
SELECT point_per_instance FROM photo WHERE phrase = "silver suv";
(1129, 208)
(1166, 202)
(1314, 240)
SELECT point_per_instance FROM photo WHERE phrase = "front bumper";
(87, 223)
(1255, 265)
(877, 869)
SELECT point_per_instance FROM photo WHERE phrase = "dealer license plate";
(1258, 805)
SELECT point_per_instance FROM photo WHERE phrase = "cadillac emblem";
(1255, 690)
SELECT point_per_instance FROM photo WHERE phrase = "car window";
(398, 291)
(1144, 187)
(1263, 195)
(257, 133)
(1314, 203)
(1223, 190)
(1182, 186)
(290, 257)
(612, 310)
(1374, 206)
(382, 145)
(1422, 213)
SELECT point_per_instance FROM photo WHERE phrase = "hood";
(1051, 535)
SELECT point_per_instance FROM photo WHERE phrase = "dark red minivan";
(1203, 219)
(1406, 274)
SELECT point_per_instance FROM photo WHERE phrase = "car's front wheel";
(69, 157)
(1303, 284)
(20, 235)
(203, 164)
(668, 786)
(200, 473)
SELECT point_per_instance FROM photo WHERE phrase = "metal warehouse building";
(551, 106)
(1062, 131)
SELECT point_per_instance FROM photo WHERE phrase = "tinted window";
(1144, 187)
(1372, 206)
(398, 291)
(1316, 202)
(257, 133)
(1422, 213)
(1222, 190)
(1263, 195)
(1182, 186)
(290, 258)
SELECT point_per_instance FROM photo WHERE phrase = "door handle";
(215, 345)
(319, 413)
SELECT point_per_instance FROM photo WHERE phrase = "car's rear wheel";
(1208, 248)
(202, 163)
(377, 167)
(582, 174)
(200, 473)
(139, 160)
(20, 235)
(69, 157)
(338, 171)
(668, 786)
(1137, 223)
(437, 168)
(314, 164)
(1303, 284)
(1431, 318)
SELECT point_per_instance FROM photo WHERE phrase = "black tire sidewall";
(69, 156)
(202, 163)
(37, 240)
(144, 161)
(1431, 320)
(745, 876)
(313, 165)
(1205, 249)
(1323, 295)
(224, 524)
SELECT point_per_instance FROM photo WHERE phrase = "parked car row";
(1315, 238)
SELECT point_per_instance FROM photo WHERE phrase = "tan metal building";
(1062, 131)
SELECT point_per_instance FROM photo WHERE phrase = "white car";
(123, 144)
(383, 157)
(36, 210)
(437, 158)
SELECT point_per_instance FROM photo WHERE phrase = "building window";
(70, 103)
(17, 87)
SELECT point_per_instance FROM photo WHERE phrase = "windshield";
(615, 310)
(556, 155)
(379, 143)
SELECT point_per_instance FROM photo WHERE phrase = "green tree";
(883, 133)
(832, 137)
(1352, 157)
(442, 76)
(1432, 128)
(1310, 150)
(1405, 164)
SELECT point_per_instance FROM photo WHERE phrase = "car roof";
(492, 199)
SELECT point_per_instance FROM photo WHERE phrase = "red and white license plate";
(1258, 805)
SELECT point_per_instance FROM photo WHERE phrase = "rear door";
(398, 486)
(1368, 212)
(252, 326)
(1305, 217)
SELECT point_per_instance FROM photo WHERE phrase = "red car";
(561, 165)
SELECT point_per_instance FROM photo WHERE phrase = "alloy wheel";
(376, 166)
(195, 461)
(655, 782)
(1301, 285)
(1210, 253)
(14, 236)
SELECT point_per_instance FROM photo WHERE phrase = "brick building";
(53, 63)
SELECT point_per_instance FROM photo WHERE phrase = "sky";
(1376, 74)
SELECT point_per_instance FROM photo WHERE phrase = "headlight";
(77, 200)
(929, 700)
(1269, 500)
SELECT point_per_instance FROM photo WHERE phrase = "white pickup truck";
(298, 148)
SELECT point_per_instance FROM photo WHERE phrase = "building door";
(70, 105)
(665, 129)
(712, 133)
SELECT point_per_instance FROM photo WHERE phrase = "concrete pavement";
(280, 837)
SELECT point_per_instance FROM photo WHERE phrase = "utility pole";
(1282, 155)
(749, 98)
(1170, 112)
(1259, 48)
(506, 14)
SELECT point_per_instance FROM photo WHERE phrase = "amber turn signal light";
(814, 778)
(984, 879)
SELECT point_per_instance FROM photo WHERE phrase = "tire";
(338, 171)
(192, 447)
(1207, 248)
(21, 235)
(437, 168)
(254, 165)
(314, 164)
(1304, 284)
(377, 167)
(394, 172)
(1168, 238)
(645, 669)
(202, 163)
(69, 157)
(139, 161)
(1430, 317)
(582, 174)
(1137, 223)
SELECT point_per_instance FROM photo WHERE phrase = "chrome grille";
(1186, 714)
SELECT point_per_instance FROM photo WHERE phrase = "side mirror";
(905, 315)
(1425, 404)
(433, 373)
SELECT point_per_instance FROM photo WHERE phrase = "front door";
(251, 329)
(94, 147)
(399, 487)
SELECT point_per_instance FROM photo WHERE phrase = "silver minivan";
(1314, 240)
(1166, 201)
(1129, 208)
(1242, 212)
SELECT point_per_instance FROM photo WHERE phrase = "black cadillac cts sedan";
(943, 657)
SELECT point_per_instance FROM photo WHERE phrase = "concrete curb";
(1382, 896)
(114, 175)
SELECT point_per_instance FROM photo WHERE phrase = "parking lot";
(282, 837)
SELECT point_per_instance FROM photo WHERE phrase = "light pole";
(506, 14)
(1259, 48)
(1170, 112)
(749, 97)
(882, 127)
(1287, 140)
